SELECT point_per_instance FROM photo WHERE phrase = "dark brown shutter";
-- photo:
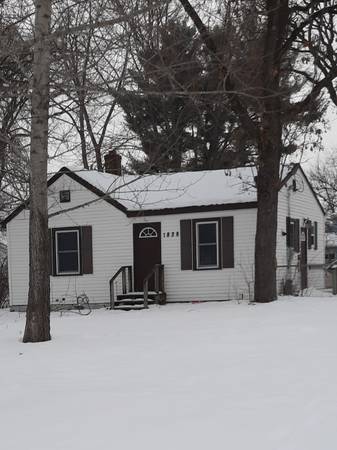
(310, 234)
(296, 235)
(288, 231)
(51, 252)
(227, 242)
(315, 234)
(186, 244)
(86, 249)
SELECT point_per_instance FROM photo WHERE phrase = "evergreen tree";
(173, 106)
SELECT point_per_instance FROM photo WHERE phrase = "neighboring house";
(200, 226)
(330, 247)
(330, 255)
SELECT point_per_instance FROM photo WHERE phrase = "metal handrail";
(122, 270)
(158, 272)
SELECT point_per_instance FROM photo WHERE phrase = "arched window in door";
(147, 233)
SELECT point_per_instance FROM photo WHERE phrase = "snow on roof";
(331, 240)
(174, 190)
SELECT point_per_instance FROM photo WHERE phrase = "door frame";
(134, 228)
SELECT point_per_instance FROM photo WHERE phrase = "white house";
(196, 228)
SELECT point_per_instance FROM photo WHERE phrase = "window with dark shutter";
(67, 251)
(51, 253)
(207, 243)
(310, 231)
(293, 233)
(227, 241)
(315, 235)
(86, 249)
(297, 235)
(186, 245)
(71, 251)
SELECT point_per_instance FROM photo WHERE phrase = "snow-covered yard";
(194, 376)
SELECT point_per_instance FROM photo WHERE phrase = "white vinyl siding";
(111, 241)
(299, 204)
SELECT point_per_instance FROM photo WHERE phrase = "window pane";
(207, 255)
(68, 262)
(67, 241)
(207, 233)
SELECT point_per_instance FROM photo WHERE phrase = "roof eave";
(192, 209)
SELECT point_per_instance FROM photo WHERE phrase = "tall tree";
(165, 106)
(294, 37)
(38, 318)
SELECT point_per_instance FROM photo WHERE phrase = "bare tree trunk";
(38, 309)
(269, 153)
(265, 289)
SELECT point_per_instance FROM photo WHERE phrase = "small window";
(67, 246)
(148, 232)
(64, 196)
(207, 245)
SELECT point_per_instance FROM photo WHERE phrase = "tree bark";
(269, 153)
(265, 289)
(38, 309)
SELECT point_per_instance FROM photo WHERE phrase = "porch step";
(135, 300)
(128, 307)
(127, 304)
(136, 295)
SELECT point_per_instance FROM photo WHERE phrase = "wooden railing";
(126, 272)
(158, 273)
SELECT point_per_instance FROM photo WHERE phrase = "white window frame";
(58, 272)
(197, 244)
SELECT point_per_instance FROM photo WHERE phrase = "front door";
(146, 251)
(304, 258)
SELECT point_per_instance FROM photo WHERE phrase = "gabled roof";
(292, 172)
(170, 193)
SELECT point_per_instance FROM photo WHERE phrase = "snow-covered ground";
(194, 376)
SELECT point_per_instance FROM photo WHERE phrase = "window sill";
(67, 274)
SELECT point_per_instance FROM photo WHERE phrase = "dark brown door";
(304, 258)
(146, 251)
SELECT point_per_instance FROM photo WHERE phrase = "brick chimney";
(113, 163)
